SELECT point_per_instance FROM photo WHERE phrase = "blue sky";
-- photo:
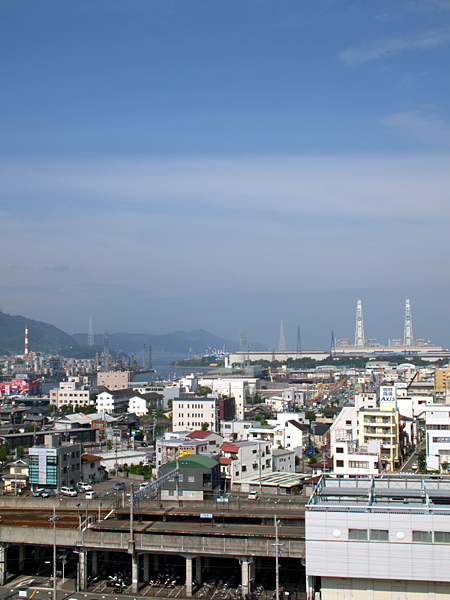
(175, 164)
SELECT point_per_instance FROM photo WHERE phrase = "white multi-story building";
(236, 430)
(190, 412)
(437, 423)
(378, 538)
(349, 459)
(143, 405)
(283, 461)
(238, 388)
(245, 459)
(110, 401)
(74, 392)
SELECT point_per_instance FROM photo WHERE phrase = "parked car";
(38, 491)
(68, 491)
(91, 495)
(119, 485)
(252, 496)
(47, 493)
(84, 487)
(144, 484)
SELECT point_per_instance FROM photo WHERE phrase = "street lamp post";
(79, 516)
(277, 554)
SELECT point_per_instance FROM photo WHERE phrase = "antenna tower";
(282, 344)
(242, 346)
(105, 354)
(359, 334)
(150, 357)
(333, 343)
(90, 340)
(143, 357)
(299, 342)
(408, 335)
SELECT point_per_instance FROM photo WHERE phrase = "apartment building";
(144, 404)
(237, 387)
(245, 459)
(190, 412)
(349, 459)
(381, 424)
(74, 392)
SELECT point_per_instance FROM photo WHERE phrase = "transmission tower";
(143, 357)
(408, 335)
(359, 334)
(105, 354)
(90, 341)
(282, 344)
(299, 342)
(242, 346)
(333, 344)
(150, 357)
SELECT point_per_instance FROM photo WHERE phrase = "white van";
(91, 495)
(68, 491)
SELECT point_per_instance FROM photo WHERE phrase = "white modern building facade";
(378, 538)
(190, 412)
(74, 392)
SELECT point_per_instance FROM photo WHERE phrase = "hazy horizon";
(224, 165)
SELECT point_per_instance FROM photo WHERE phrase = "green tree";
(82, 448)
(4, 451)
(30, 428)
(109, 445)
(205, 426)
(203, 390)
(170, 402)
(310, 415)
(20, 452)
(159, 413)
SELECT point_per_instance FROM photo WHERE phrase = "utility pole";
(15, 473)
(54, 519)
(277, 554)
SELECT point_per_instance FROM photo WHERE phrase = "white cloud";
(421, 126)
(384, 47)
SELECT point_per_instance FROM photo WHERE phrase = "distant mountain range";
(42, 337)
(178, 342)
(49, 339)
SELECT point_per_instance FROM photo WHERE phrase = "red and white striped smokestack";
(26, 341)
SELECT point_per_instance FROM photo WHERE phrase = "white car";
(67, 491)
(91, 495)
(84, 487)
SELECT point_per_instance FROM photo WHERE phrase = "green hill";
(42, 337)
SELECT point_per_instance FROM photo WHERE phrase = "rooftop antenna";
(408, 334)
(282, 344)
(90, 340)
(359, 333)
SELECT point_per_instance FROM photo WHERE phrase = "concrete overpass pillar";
(3, 563)
(188, 576)
(198, 570)
(82, 569)
(253, 572)
(245, 575)
(22, 548)
(37, 553)
(94, 562)
(135, 573)
(309, 587)
(146, 569)
(156, 563)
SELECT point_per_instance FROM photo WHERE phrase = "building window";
(442, 537)
(357, 534)
(171, 492)
(358, 464)
(340, 450)
(191, 478)
(180, 477)
(379, 535)
(339, 463)
(348, 422)
(422, 536)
